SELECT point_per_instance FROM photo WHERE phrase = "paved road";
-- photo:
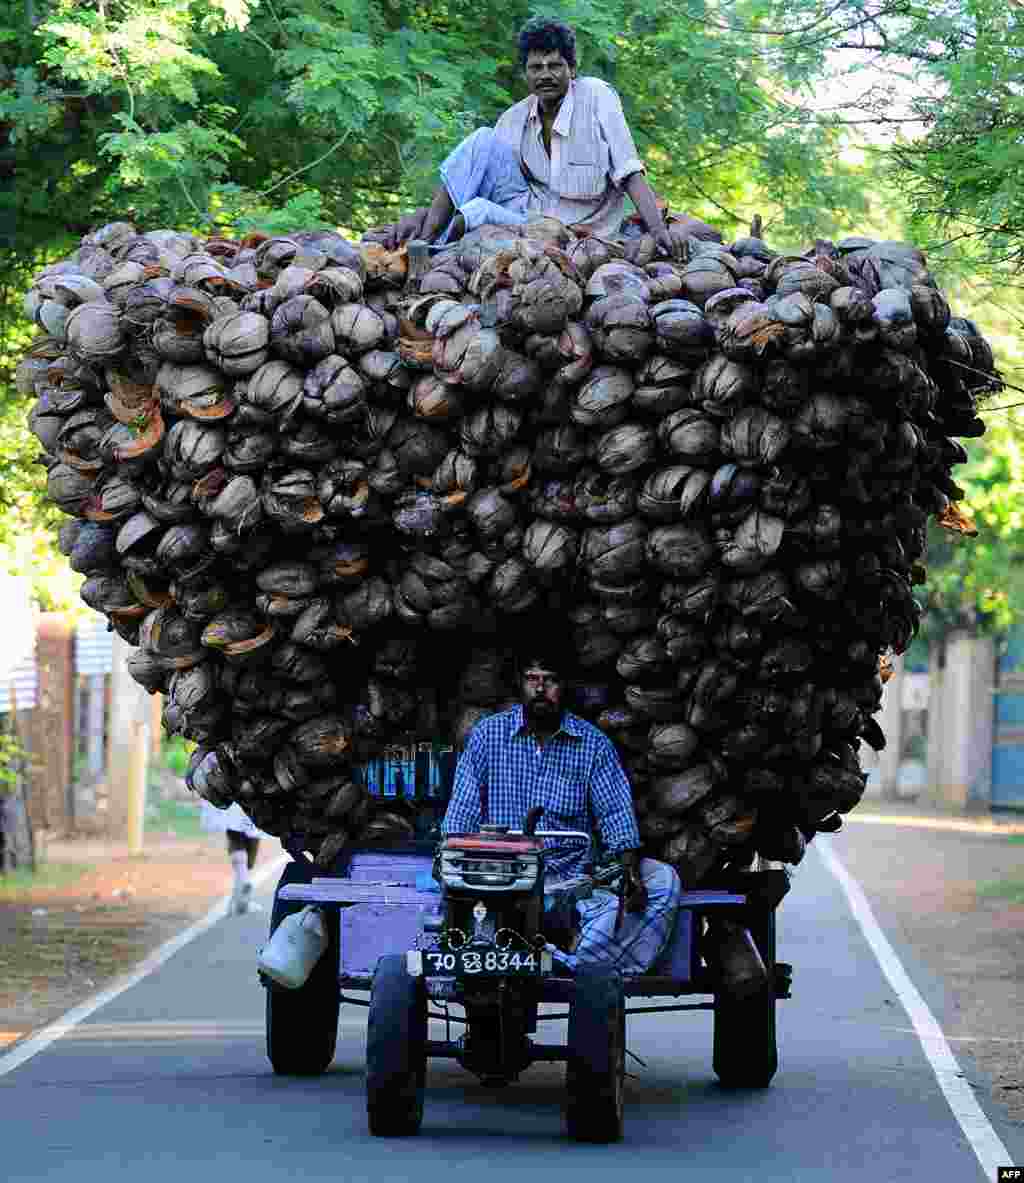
(168, 1083)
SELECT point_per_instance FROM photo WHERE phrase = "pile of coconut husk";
(324, 496)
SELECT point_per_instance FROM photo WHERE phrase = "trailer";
(391, 934)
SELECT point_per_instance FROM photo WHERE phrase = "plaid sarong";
(642, 937)
(486, 184)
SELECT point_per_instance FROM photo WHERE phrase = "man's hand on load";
(407, 227)
(668, 248)
(398, 233)
(642, 196)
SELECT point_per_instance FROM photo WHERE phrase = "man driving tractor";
(539, 753)
(564, 152)
(538, 757)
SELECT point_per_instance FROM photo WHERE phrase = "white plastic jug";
(297, 945)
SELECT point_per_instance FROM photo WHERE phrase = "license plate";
(483, 962)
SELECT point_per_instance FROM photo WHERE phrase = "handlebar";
(557, 834)
(530, 828)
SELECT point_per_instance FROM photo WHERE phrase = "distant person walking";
(243, 839)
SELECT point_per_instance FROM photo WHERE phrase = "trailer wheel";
(596, 1069)
(745, 1047)
(396, 1050)
(302, 1025)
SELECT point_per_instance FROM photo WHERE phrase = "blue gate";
(1008, 734)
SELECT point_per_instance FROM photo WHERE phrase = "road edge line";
(43, 1038)
(978, 1130)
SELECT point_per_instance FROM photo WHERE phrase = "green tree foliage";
(22, 481)
(966, 175)
(936, 88)
(176, 112)
(978, 584)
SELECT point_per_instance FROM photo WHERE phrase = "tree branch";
(917, 55)
(726, 27)
(718, 205)
(277, 19)
(203, 218)
(266, 44)
(306, 167)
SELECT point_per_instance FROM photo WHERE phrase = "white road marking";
(69, 1020)
(985, 1142)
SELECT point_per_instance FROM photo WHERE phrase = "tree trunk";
(17, 848)
(17, 841)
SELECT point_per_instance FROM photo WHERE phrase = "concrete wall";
(957, 709)
(960, 723)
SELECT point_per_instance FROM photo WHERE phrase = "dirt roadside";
(93, 912)
(955, 898)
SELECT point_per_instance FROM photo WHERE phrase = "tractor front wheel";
(396, 1050)
(596, 1069)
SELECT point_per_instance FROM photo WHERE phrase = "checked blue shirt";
(576, 776)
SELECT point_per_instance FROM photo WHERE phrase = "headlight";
(519, 873)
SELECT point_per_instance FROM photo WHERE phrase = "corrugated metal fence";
(94, 649)
(20, 689)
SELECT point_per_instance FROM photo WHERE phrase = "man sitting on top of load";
(564, 152)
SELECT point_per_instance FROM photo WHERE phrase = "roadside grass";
(177, 816)
(1010, 889)
(47, 877)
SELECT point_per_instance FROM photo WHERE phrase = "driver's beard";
(542, 715)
